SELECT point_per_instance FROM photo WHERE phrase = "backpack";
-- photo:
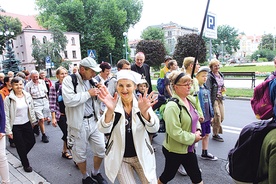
(75, 82)
(161, 85)
(244, 157)
(107, 81)
(272, 94)
(261, 102)
(160, 114)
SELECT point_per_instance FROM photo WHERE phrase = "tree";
(263, 53)
(50, 48)
(10, 64)
(154, 52)
(187, 45)
(100, 23)
(226, 42)
(267, 42)
(153, 33)
(8, 23)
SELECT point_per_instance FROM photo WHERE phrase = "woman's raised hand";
(146, 101)
(107, 99)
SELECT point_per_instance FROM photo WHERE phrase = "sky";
(253, 17)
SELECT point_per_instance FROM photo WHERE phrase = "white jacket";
(116, 147)
(75, 102)
(11, 107)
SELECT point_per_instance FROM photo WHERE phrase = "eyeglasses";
(187, 84)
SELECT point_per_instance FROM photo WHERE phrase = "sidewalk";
(19, 176)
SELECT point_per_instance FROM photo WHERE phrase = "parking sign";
(211, 26)
(48, 62)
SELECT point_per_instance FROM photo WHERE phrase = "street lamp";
(258, 55)
(7, 34)
(222, 52)
(125, 45)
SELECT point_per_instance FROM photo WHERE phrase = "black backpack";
(245, 156)
(75, 82)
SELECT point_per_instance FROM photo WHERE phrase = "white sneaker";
(182, 171)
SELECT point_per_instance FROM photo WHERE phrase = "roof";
(27, 21)
(173, 25)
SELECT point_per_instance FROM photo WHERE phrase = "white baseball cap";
(90, 63)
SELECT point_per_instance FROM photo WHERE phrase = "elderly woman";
(182, 130)
(20, 116)
(128, 121)
(57, 109)
(215, 83)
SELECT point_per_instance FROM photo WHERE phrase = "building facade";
(172, 32)
(248, 45)
(22, 44)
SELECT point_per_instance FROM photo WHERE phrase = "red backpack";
(261, 102)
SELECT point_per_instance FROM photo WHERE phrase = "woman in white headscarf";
(128, 121)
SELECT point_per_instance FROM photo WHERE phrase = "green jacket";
(178, 134)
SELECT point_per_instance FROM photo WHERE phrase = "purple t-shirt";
(220, 82)
(195, 118)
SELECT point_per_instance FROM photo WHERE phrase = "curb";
(238, 98)
(18, 175)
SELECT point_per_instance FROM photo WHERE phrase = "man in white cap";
(82, 111)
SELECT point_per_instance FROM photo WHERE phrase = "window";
(74, 54)
(73, 41)
(44, 39)
(21, 42)
(169, 33)
(33, 39)
(22, 56)
(65, 54)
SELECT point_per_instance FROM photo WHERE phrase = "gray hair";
(34, 72)
(17, 80)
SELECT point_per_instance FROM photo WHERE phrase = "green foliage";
(239, 92)
(227, 41)
(8, 24)
(239, 68)
(100, 23)
(267, 42)
(262, 60)
(50, 48)
(187, 45)
(153, 33)
(263, 53)
(10, 64)
(154, 52)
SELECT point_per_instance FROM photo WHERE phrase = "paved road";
(47, 161)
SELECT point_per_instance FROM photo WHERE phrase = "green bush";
(262, 60)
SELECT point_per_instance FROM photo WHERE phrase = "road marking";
(230, 129)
